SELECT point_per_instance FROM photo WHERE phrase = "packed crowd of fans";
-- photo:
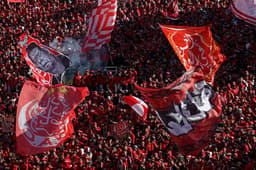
(147, 58)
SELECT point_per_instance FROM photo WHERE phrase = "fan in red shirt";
(77, 79)
(111, 82)
(67, 161)
(117, 80)
(99, 81)
(86, 78)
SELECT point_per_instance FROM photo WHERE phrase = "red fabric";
(194, 47)
(67, 163)
(250, 165)
(101, 23)
(139, 106)
(133, 137)
(111, 82)
(191, 135)
(42, 77)
(44, 116)
(77, 80)
(86, 79)
(235, 90)
(138, 12)
(151, 146)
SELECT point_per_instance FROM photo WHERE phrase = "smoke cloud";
(92, 60)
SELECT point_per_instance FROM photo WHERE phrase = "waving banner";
(139, 106)
(194, 47)
(44, 116)
(244, 10)
(189, 109)
(101, 23)
(47, 65)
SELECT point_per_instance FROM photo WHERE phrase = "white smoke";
(71, 47)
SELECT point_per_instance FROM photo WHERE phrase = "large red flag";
(47, 64)
(245, 10)
(44, 116)
(195, 47)
(101, 23)
(188, 108)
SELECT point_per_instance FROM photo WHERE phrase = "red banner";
(188, 108)
(194, 47)
(47, 64)
(101, 23)
(44, 116)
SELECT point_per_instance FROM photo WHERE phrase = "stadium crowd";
(141, 51)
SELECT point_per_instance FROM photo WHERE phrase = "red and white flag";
(44, 116)
(101, 23)
(100, 2)
(47, 64)
(188, 108)
(138, 105)
(194, 47)
(245, 10)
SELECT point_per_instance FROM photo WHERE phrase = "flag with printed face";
(44, 116)
(244, 10)
(138, 105)
(194, 47)
(101, 23)
(46, 64)
(188, 108)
